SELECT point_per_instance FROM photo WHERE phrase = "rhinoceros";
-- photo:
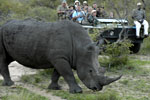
(63, 45)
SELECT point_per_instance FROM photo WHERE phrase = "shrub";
(12, 9)
(5, 6)
(45, 3)
(94, 33)
(20, 8)
(39, 13)
(117, 53)
(10, 6)
(43, 13)
(145, 49)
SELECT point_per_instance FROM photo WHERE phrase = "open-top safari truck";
(114, 29)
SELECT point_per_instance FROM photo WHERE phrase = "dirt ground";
(16, 71)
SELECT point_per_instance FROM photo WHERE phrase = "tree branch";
(144, 5)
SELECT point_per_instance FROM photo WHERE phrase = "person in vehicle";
(85, 4)
(78, 15)
(76, 3)
(88, 13)
(98, 12)
(62, 10)
(89, 10)
(85, 9)
(70, 11)
(92, 18)
(111, 15)
(103, 13)
(140, 19)
(94, 6)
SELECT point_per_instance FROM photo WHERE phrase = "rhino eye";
(90, 71)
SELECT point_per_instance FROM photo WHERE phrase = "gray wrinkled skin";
(62, 45)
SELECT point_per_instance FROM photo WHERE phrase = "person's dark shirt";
(92, 19)
(138, 14)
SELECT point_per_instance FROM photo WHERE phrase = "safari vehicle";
(114, 29)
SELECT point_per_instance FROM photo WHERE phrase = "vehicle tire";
(135, 48)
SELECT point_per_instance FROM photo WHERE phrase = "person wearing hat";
(92, 18)
(85, 3)
(85, 7)
(61, 10)
(140, 19)
(102, 13)
(70, 11)
(89, 12)
(76, 3)
(78, 15)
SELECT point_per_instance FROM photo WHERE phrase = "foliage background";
(46, 9)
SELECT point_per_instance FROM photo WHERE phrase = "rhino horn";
(108, 80)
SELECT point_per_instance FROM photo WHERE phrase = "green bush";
(45, 3)
(5, 6)
(117, 53)
(12, 9)
(21, 9)
(94, 33)
(10, 6)
(145, 48)
(43, 13)
(39, 13)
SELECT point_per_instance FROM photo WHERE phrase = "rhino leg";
(54, 84)
(5, 73)
(64, 69)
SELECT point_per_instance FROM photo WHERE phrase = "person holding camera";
(92, 19)
(78, 15)
(140, 19)
(62, 10)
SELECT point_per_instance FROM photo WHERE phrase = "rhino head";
(88, 69)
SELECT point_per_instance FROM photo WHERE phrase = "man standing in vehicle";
(78, 15)
(139, 20)
(62, 10)
(103, 13)
(92, 18)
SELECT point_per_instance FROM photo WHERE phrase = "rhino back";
(34, 43)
